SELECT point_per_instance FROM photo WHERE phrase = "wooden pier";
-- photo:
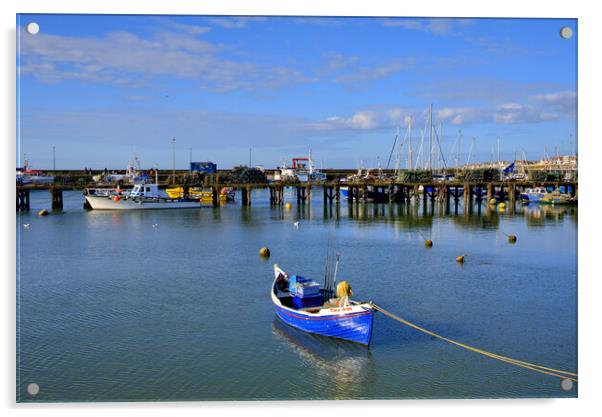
(427, 194)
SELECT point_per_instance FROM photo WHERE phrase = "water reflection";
(344, 368)
(539, 215)
(413, 215)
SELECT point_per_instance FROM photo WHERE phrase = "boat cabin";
(145, 190)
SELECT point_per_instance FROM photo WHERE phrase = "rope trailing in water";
(537, 368)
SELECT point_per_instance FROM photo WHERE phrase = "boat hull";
(107, 203)
(558, 201)
(355, 326)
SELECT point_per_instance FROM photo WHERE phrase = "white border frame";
(590, 70)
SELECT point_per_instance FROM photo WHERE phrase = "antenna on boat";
(336, 269)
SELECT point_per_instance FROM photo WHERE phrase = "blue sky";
(101, 88)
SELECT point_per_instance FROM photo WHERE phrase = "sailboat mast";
(470, 151)
(458, 150)
(397, 154)
(421, 150)
(498, 150)
(430, 158)
(410, 143)
(441, 157)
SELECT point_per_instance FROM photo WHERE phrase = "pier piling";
(215, 196)
(511, 194)
(57, 198)
(489, 192)
(22, 200)
(246, 195)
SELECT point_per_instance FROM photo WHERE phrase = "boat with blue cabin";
(303, 303)
(533, 195)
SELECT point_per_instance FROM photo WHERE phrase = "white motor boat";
(302, 170)
(141, 197)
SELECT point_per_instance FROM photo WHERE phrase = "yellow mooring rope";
(537, 368)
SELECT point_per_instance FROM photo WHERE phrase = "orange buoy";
(460, 259)
(116, 198)
(265, 252)
(512, 238)
(428, 243)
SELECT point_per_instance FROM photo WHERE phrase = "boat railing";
(106, 192)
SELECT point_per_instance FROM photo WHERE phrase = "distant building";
(564, 167)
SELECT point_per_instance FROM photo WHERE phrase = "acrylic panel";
(295, 208)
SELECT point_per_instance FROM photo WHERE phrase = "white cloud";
(365, 120)
(183, 27)
(459, 115)
(436, 26)
(563, 101)
(482, 89)
(507, 113)
(235, 22)
(512, 113)
(383, 70)
(126, 59)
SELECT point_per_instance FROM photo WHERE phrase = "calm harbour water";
(174, 305)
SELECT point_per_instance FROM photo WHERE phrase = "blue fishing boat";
(533, 195)
(304, 304)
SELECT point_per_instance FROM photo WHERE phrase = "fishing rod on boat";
(326, 278)
(327, 269)
(334, 278)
